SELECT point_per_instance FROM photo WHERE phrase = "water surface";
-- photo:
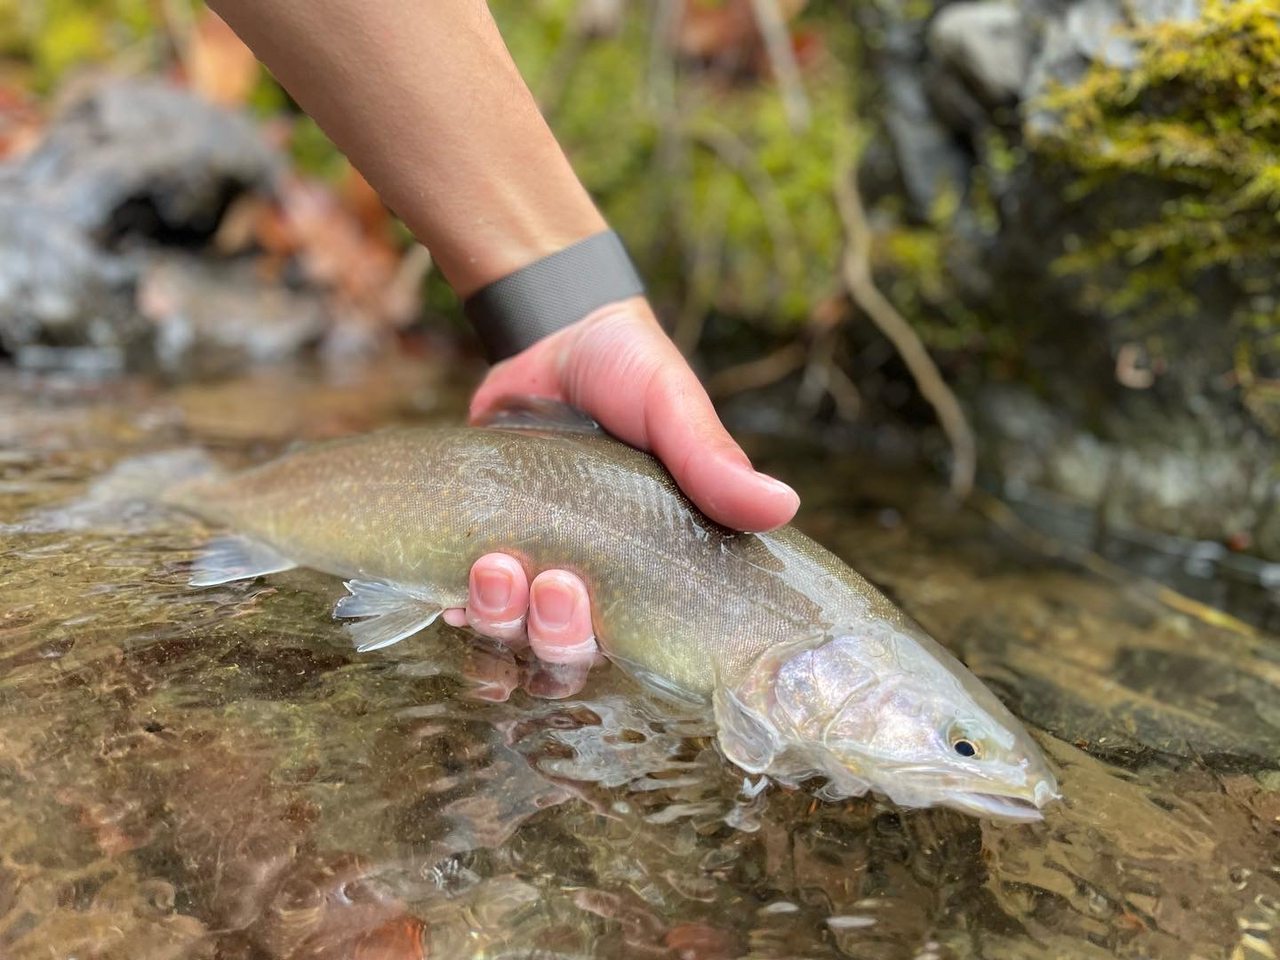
(217, 774)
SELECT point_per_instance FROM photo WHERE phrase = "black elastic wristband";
(523, 307)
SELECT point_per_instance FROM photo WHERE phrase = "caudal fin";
(126, 497)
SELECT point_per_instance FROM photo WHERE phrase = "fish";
(808, 669)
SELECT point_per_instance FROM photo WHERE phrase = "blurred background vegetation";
(1070, 207)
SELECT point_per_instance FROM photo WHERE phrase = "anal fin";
(230, 558)
(388, 613)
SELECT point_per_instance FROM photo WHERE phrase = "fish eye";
(965, 740)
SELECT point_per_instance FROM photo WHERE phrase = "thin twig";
(402, 297)
(662, 60)
(845, 393)
(753, 374)
(782, 59)
(1003, 516)
(705, 271)
(823, 377)
(813, 384)
(178, 23)
(856, 271)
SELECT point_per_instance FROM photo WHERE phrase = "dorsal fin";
(539, 415)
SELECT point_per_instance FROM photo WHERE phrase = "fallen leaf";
(218, 64)
(20, 121)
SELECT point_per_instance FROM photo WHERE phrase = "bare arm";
(425, 100)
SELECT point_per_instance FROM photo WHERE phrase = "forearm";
(426, 101)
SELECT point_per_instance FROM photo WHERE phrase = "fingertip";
(777, 503)
(733, 494)
(559, 622)
(555, 681)
(710, 467)
(498, 596)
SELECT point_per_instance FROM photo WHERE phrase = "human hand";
(620, 367)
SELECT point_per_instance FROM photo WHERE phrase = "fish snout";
(1007, 792)
(1008, 801)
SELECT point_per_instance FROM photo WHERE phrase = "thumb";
(625, 372)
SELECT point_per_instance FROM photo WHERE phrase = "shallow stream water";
(217, 774)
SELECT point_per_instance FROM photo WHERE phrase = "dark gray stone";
(145, 158)
(60, 292)
(88, 277)
(929, 160)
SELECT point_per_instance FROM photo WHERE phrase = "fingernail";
(554, 604)
(494, 589)
(778, 485)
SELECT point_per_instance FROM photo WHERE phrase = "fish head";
(884, 706)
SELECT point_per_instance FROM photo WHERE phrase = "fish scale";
(682, 603)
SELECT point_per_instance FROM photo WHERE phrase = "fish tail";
(129, 494)
(155, 477)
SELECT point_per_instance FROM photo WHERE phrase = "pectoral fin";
(236, 558)
(841, 786)
(389, 613)
(746, 737)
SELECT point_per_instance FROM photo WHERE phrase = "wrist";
(515, 227)
(552, 293)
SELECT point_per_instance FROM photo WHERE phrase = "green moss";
(12, 35)
(313, 152)
(917, 268)
(1195, 126)
(61, 35)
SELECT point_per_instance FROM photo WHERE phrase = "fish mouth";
(998, 805)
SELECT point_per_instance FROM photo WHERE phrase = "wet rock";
(1171, 446)
(214, 316)
(1162, 11)
(58, 291)
(988, 42)
(143, 158)
(106, 261)
(932, 168)
(1140, 478)
(1097, 31)
(930, 163)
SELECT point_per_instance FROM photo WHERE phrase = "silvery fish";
(808, 669)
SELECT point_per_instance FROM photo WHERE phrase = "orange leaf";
(218, 64)
(20, 122)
